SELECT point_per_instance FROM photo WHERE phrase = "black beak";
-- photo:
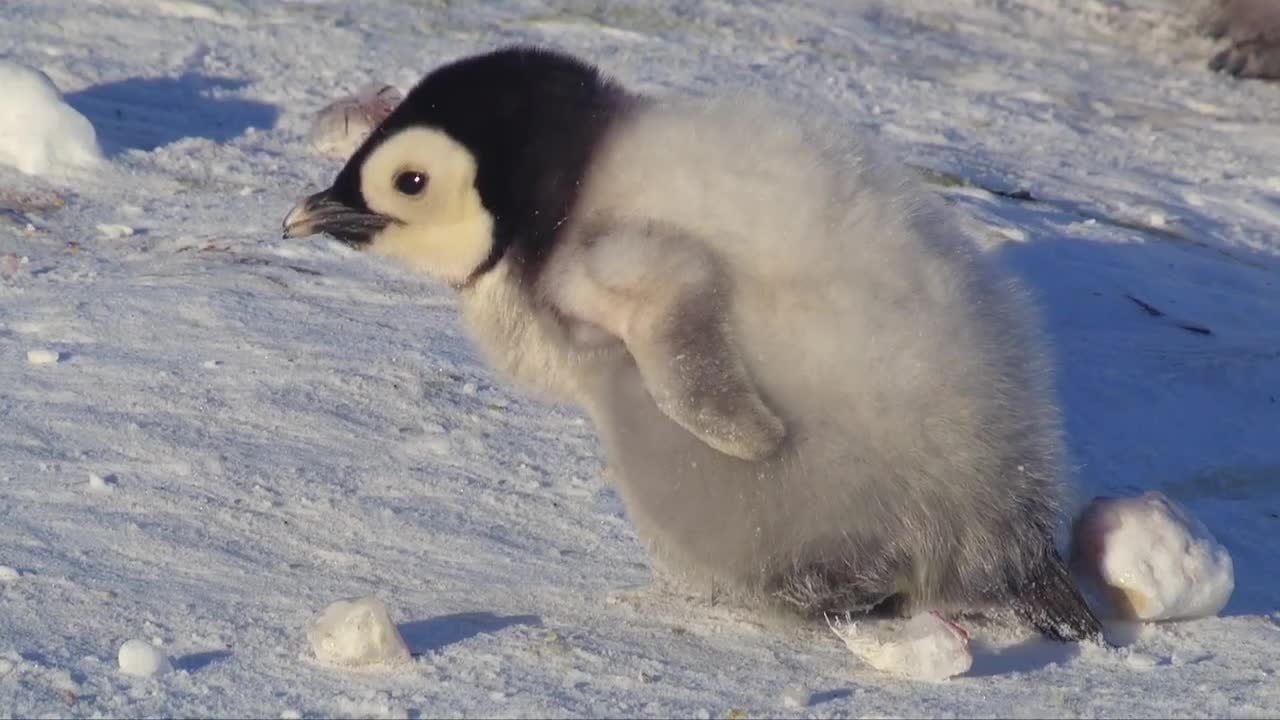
(321, 213)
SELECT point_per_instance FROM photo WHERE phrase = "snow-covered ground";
(208, 435)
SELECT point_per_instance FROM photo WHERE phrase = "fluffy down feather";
(922, 460)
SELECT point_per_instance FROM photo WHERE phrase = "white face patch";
(442, 230)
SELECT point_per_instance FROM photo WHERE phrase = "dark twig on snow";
(1154, 311)
(1150, 309)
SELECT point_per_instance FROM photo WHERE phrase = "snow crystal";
(1153, 558)
(927, 647)
(142, 659)
(9, 573)
(356, 633)
(39, 132)
(41, 356)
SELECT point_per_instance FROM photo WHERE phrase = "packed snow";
(927, 647)
(357, 633)
(142, 659)
(1154, 560)
(294, 422)
(114, 232)
(39, 132)
(99, 483)
(795, 697)
(42, 356)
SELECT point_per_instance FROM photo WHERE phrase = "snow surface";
(356, 633)
(1155, 560)
(298, 423)
(39, 133)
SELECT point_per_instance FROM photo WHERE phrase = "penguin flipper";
(697, 378)
(661, 293)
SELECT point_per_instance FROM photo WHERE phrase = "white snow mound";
(926, 648)
(41, 134)
(1154, 560)
(357, 633)
(142, 659)
(98, 483)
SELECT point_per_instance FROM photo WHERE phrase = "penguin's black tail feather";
(1051, 601)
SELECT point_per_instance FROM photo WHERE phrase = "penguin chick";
(812, 389)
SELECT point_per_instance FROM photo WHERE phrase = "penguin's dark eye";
(411, 182)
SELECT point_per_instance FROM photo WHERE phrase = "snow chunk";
(927, 648)
(99, 483)
(795, 697)
(142, 659)
(1153, 558)
(357, 633)
(39, 132)
(41, 356)
(114, 232)
(8, 573)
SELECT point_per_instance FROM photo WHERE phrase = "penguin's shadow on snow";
(1168, 365)
(826, 696)
(147, 113)
(432, 634)
(1029, 656)
(200, 660)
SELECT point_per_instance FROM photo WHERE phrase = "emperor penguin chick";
(812, 389)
